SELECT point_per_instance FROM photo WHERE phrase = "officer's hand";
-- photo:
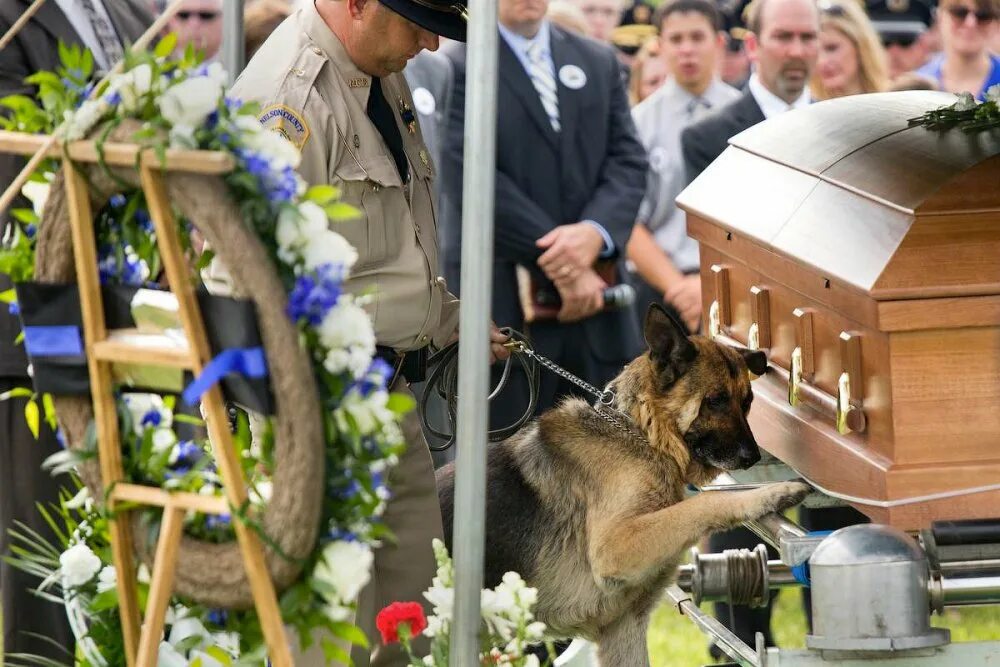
(497, 351)
(685, 296)
(569, 249)
(582, 297)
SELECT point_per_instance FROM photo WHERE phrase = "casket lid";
(846, 187)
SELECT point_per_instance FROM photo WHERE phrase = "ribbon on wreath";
(53, 341)
(249, 362)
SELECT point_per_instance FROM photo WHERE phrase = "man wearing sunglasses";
(902, 25)
(198, 23)
(968, 28)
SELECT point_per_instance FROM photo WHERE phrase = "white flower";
(216, 72)
(368, 412)
(297, 227)
(966, 102)
(993, 94)
(164, 439)
(185, 628)
(345, 568)
(182, 136)
(107, 579)
(204, 660)
(329, 247)
(132, 85)
(79, 500)
(142, 406)
(168, 656)
(531, 661)
(78, 565)
(83, 120)
(191, 101)
(274, 147)
(348, 327)
(263, 490)
(38, 194)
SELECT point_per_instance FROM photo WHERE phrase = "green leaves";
(165, 46)
(31, 417)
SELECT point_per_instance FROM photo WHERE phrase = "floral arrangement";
(181, 103)
(508, 625)
(966, 113)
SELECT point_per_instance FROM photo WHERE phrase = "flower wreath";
(163, 103)
(966, 113)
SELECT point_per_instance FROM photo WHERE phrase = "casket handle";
(850, 417)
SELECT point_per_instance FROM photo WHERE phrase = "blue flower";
(152, 418)
(13, 308)
(314, 295)
(145, 222)
(217, 617)
(212, 120)
(233, 103)
(29, 230)
(218, 521)
(347, 490)
(188, 452)
(117, 201)
(376, 377)
(61, 438)
(342, 535)
(113, 99)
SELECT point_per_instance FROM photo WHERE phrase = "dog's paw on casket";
(775, 497)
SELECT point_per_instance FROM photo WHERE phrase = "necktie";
(542, 79)
(697, 108)
(105, 33)
(385, 122)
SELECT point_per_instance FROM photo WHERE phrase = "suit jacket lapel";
(513, 73)
(52, 19)
(569, 100)
(750, 112)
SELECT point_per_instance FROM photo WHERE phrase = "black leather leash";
(442, 378)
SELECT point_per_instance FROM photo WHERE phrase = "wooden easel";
(142, 637)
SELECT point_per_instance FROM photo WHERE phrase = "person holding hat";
(902, 26)
(329, 80)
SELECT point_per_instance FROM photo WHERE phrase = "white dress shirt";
(78, 19)
(772, 105)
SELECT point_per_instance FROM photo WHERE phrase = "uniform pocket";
(372, 186)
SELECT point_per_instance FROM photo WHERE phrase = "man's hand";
(581, 297)
(497, 350)
(685, 296)
(569, 249)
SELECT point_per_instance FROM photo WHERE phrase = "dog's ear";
(669, 347)
(756, 360)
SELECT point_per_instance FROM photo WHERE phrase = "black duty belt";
(411, 364)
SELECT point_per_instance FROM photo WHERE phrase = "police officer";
(329, 80)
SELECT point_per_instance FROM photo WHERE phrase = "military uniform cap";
(893, 19)
(448, 18)
(629, 38)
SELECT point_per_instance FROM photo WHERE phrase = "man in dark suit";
(105, 28)
(782, 45)
(570, 174)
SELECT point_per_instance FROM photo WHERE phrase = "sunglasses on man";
(904, 41)
(960, 13)
(204, 16)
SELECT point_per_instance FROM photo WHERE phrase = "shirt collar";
(520, 44)
(770, 104)
(321, 36)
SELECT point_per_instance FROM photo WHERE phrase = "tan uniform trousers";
(403, 569)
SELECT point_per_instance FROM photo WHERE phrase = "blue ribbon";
(53, 341)
(801, 571)
(246, 361)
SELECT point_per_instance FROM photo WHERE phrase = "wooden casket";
(864, 257)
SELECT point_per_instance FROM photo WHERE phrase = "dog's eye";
(717, 401)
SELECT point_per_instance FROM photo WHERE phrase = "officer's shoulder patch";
(287, 122)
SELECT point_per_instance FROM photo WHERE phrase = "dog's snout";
(749, 455)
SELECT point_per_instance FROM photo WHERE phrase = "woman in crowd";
(968, 28)
(649, 71)
(852, 59)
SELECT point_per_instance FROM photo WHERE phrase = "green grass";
(674, 641)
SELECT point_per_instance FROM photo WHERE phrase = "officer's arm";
(622, 181)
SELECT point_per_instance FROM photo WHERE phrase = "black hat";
(448, 18)
(734, 26)
(900, 19)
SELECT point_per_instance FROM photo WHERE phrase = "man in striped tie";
(570, 173)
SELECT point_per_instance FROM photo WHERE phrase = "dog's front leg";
(627, 550)
(623, 644)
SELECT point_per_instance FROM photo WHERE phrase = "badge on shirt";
(658, 158)
(287, 123)
(572, 77)
(406, 113)
(423, 100)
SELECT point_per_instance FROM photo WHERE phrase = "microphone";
(619, 297)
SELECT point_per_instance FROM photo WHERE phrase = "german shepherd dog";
(595, 517)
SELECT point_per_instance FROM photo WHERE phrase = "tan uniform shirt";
(311, 92)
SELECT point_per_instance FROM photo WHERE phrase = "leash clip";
(607, 397)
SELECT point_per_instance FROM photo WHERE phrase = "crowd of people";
(606, 112)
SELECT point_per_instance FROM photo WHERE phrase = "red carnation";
(399, 613)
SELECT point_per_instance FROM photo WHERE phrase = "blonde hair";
(649, 50)
(849, 19)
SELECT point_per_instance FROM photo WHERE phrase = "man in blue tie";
(664, 256)
(570, 173)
